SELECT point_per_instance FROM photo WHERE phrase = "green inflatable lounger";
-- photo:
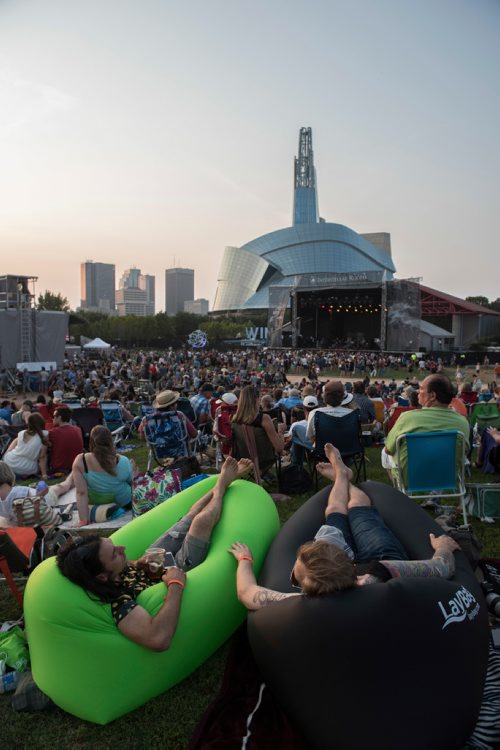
(79, 657)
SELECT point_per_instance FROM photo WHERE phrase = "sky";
(152, 134)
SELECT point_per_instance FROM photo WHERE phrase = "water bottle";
(8, 682)
(41, 486)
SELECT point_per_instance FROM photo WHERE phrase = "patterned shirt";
(201, 405)
(134, 582)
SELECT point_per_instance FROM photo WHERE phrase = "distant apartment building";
(136, 293)
(196, 306)
(97, 282)
(179, 288)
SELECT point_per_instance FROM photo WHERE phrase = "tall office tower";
(97, 286)
(305, 199)
(179, 288)
(136, 293)
(147, 282)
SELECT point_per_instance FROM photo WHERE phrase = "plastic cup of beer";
(155, 558)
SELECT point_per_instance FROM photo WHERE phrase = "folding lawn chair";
(253, 442)
(167, 437)
(345, 434)
(114, 420)
(434, 463)
(86, 419)
(16, 546)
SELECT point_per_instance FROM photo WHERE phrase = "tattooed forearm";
(266, 596)
(442, 565)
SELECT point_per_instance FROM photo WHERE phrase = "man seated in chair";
(338, 404)
(297, 438)
(352, 548)
(434, 396)
(366, 407)
(166, 402)
(101, 568)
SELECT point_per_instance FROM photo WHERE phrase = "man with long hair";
(101, 568)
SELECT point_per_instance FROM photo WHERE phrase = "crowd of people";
(226, 397)
(221, 392)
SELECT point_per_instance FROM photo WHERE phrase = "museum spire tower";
(305, 200)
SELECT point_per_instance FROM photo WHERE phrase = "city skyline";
(165, 138)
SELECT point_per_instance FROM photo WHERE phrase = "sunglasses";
(293, 580)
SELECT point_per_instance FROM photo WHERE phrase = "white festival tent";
(97, 344)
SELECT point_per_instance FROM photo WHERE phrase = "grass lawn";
(169, 720)
(487, 375)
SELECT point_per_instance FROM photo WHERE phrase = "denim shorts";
(186, 549)
(367, 535)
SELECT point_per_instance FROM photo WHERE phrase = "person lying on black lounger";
(353, 547)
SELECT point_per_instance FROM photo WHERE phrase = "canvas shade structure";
(97, 344)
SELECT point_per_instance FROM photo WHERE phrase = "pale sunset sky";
(155, 133)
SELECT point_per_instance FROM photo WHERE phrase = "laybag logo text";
(462, 606)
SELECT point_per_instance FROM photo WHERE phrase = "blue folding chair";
(73, 403)
(166, 436)
(434, 463)
(113, 417)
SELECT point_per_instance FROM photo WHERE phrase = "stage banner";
(342, 280)
(403, 316)
(279, 299)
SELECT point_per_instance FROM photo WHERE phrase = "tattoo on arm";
(266, 596)
(442, 565)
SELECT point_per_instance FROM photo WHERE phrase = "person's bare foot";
(245, 466)
(336, 462)
(326, 470)
(229, 470)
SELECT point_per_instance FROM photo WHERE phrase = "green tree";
(51, 301)
(479, 300)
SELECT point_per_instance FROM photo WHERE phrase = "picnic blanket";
(67, 504)
(244, 714)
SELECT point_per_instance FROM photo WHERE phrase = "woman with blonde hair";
(248, 413)
(27, 454)
(254, 434)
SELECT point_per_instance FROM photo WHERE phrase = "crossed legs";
(364, 529)
(343, 494)
(189, 538)
(206, 512)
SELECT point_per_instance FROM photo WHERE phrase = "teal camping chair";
(435, 463)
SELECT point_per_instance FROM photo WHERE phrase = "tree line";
(152, 330)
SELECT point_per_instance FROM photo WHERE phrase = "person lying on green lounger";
(100, 566)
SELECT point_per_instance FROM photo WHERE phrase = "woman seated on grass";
(100, 476)
(352, 548)
(27, 454)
